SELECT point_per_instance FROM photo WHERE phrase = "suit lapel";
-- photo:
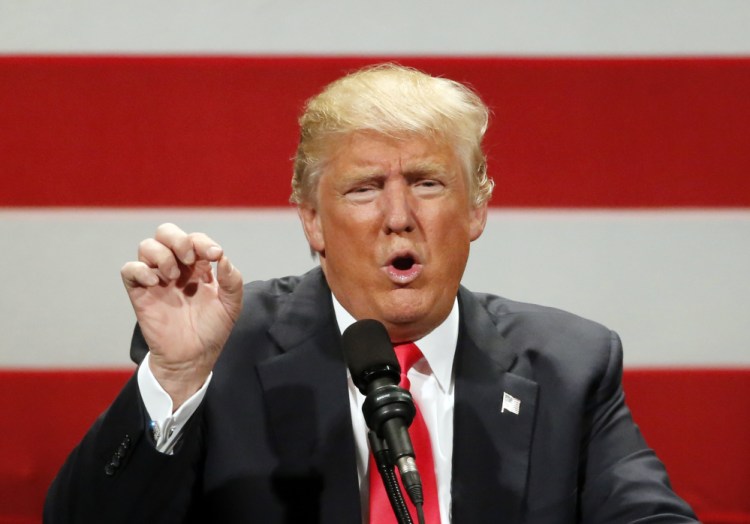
(306, 397)
(491, 448)
(305, 391)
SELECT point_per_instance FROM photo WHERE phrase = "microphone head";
(369, 354)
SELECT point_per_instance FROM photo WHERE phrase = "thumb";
(230, 287)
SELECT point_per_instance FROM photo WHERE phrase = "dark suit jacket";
(272, 441)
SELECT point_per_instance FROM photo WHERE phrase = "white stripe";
(540, 27)
(674, 284)
(63, 302)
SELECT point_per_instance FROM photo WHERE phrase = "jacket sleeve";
(622, 479)
(116, 475)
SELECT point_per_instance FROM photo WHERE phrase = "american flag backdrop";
(619, 144)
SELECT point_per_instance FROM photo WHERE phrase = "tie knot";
(407, 354)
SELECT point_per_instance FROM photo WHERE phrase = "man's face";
(392, 225)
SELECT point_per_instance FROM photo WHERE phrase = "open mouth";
(403, 268)
(403, 263)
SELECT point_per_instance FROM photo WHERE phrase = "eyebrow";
(416, 168)
(425, 168)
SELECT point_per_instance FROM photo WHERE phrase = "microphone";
(388, 408)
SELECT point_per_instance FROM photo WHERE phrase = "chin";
(406, 305)
(406, 319)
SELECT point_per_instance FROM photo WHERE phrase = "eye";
(363, 193)
(428, 187)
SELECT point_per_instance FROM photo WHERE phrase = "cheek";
(347, 239)
(451, 245)
(354, 225)
(452, 228)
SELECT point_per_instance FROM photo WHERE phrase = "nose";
(398, 207)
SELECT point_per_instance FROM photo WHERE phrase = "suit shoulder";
(524, 315)
(548, 333)
(272, 287)
(268, 295)
(264, 303)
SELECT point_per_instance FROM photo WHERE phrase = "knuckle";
(130, 269)
(198, 237)
(146, 244)
(166, 227)
(169, 233)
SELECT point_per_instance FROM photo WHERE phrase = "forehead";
(371, 151)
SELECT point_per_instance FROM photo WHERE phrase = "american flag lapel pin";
(510, 403)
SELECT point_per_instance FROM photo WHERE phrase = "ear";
(313, 231)
(477, 221)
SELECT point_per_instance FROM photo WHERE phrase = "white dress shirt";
(432, 387)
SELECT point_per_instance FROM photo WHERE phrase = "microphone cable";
(388, 475)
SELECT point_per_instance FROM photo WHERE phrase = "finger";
(177, 241)
(230, 286)
(205, 247)
(156, 255)
(204, 269)
(137, 274)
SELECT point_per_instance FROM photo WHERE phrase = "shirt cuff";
(166, 426)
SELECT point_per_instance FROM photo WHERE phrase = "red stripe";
(45, 414)
(695, 419)
(219, 131)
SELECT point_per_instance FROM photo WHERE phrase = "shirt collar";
(438, 346)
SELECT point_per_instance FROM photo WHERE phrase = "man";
(242, 409)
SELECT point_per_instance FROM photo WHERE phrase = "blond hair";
(394, 101)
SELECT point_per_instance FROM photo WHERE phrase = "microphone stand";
(387, 474)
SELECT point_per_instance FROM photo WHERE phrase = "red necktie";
(380, 507)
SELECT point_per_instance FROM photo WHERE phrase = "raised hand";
(184, 311)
